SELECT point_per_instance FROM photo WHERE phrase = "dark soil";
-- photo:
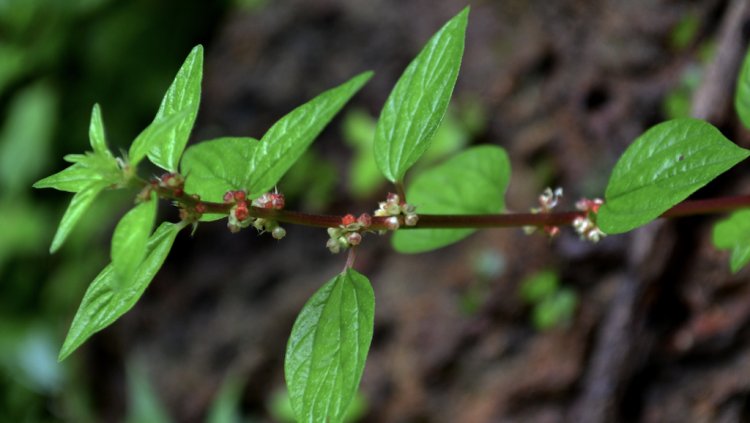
(661, 330)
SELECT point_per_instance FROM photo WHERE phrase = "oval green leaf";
(105, 301)
(473, 182)
(130, 239)
(418, 102)
(179, 107)
(733, 234)
(663, 167)
(288, 138)
(742, 94)
(328, 347)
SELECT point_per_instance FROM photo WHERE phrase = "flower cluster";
(348, 233)
(172, 181)
(548, 200)
(192, 214)
(239, 214)
(392, 207)
(270, 200)
(585, 226)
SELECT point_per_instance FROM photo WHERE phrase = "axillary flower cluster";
(239, 214)
(349, 232)
(585, 226)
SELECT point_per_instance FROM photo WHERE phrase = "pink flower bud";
(365, 220)
(354, 238)
(392, 223)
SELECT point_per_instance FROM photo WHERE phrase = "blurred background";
(646, 327)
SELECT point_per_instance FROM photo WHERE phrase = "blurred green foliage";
(487, 266)
(685, 32)
(677, 102)
(57, 59)
(146, 406)
(552, 304)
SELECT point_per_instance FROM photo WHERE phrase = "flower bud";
(333, 245)
(348, 220)
(277, 201)
(354, 238)
(278, 232)
(411, 219)
(392, 223)
(240, 196)
(241, 211)
(365, 220)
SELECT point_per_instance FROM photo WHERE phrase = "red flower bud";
(241, 212)
(348, 220)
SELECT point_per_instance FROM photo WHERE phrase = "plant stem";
(504, 220)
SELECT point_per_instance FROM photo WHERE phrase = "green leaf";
(742, 95)
(176, 116)
(328, 347)
(214, 167)
(96, 132)
(288, 138)
(733, 234)
(71, 179)
(78, 206)
(86, 168)
(418, 102)
(99, 166)
(663, 167)
(130, 239)
(473, 182)
(106, 300)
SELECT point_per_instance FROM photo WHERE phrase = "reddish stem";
(505, 220)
